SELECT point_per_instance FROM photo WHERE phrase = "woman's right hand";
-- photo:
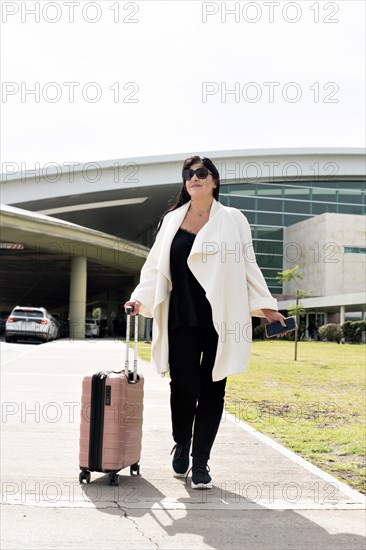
(136, 306)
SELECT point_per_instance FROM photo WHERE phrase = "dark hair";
(183, 196)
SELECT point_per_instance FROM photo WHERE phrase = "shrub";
(352, 331)
(348, 332)
(360, 328)
(289, 336)
(258, 332)
(331, 332)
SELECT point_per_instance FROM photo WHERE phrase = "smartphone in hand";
(272, 329)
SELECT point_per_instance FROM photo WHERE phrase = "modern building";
(311, 196)
(273, 206)
(330, 250)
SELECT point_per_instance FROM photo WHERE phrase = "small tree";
(297, 309)
(97, 312)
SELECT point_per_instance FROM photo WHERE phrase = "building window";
(319, 208)
(269, 233)
(354, 250)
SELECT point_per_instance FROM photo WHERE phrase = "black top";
(189, 306)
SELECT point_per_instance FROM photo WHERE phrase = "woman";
(201, 284)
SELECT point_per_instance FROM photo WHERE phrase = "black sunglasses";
(201, 173)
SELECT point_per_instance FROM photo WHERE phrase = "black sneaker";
(181, 458)
(200, 476)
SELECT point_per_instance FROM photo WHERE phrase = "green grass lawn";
(315, 406)
(143, 350)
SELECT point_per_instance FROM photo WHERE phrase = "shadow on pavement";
(219, 518)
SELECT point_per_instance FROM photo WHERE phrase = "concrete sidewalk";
(264, 496)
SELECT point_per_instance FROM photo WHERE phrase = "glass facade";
(354, 250)
(270, 207)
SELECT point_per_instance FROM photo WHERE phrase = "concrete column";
(112, 310)
(77, 306)
(342, 314)
(129, 290)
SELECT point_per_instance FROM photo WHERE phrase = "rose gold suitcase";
(111, 419)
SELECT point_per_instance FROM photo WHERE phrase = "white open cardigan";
(223, 261)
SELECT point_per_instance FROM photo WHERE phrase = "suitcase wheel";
(113, 479)
(84, 476)
(135, 469)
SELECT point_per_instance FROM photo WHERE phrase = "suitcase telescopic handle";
(129, 310)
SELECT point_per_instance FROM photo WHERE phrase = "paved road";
(264, 496)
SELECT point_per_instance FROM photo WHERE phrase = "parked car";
(92, 328)
(30, 323)
(63, 325)
(3, 317)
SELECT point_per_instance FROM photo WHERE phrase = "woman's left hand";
(272, 315)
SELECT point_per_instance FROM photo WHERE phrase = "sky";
(91, 81)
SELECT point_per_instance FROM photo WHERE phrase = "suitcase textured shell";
(122, 422)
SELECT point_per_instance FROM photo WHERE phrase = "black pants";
(194, 397)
